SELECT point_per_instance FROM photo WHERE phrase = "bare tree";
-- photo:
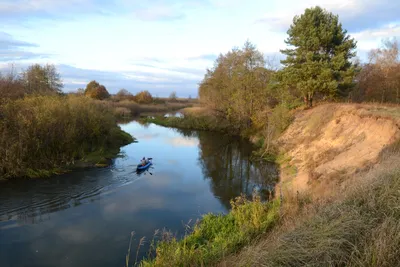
(386, 61)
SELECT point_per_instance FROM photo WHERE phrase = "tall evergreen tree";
(320, 58)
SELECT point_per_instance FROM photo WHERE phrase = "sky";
(165, 45)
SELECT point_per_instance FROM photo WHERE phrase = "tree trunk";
(308, 99)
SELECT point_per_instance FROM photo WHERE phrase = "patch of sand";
(335, 140)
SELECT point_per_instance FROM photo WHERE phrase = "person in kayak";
(144, 161)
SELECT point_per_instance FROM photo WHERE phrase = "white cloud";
(389, 30)
(354, 14)
(182, 141)
(160, 12)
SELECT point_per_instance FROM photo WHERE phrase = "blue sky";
(164, 45)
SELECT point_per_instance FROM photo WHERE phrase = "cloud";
(372, 38)
(12, 49)
(133, 81)
(355, 15)
(14, 10)
(7, 41)
(181, 141)
(387, 31)
(158, 13)
(210, 57)
(156, 10)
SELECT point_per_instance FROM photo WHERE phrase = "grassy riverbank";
(128, 109)
(357, 226)
(47, 135)
(217, 235)
(194, 122)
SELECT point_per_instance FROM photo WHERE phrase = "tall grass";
(128, 109)
(217, 235)
(45, 134)
(359, 228)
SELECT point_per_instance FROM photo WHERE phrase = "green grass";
(217, 235)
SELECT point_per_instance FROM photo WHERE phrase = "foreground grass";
(217, 235)
(359, 227)
(47, 135)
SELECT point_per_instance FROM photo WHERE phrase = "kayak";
(142, 167)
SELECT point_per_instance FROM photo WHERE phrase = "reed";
(44, 135)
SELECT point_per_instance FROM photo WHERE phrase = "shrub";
(47, 133)
(96, 91)
(144, 97)
(124, 94)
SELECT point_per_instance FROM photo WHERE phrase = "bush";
(272, 124)
(144, 97)
(124, 94)
(96, 91)
(54, 132)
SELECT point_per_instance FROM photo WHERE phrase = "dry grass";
(317, 121)
(197, 111)
(358, 225)
(127, 108)
(42, 135)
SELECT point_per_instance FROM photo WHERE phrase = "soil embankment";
(333, 141)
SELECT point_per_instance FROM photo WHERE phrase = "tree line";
(46, 80)
(36, 79)
(320, 64)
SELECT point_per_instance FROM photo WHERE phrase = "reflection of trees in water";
(187, 133)
(227, 162)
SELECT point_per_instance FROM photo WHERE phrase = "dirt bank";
(330, 142)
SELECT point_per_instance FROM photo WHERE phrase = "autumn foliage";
(96, 91)
(144, 97)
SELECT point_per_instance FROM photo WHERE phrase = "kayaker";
(143, 161)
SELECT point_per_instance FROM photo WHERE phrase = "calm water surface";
(85, 218)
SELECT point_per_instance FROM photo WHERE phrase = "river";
(85, 218)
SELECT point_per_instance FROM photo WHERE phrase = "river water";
(85, 218)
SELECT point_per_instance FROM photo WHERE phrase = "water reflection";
(227, 162)
(85, 218)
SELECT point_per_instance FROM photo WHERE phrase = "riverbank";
(128, 109)
(193, 122)
(217, 235)
(358, 225)
(335, 211)
(46, 135)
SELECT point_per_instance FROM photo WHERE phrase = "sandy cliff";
(330, 142)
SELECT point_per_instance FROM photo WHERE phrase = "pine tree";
(319, 61)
